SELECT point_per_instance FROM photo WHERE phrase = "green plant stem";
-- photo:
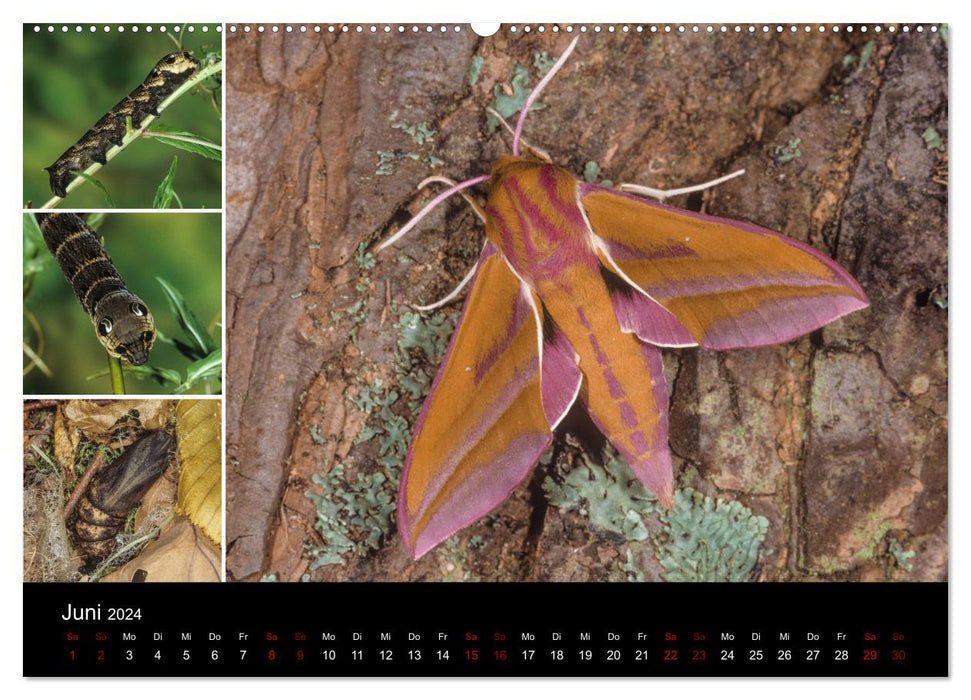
(117, 377)
(136, 133)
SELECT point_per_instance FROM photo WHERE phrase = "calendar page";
(536, 349)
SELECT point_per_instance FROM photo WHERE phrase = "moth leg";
(428, 207)
(451, 295)
(479, 211)
(661, 195)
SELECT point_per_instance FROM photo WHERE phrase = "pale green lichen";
(591, 171)
(630, 569)
(709, 540)
(476, 69)
(356, 312)
(899, 556)
(363, 257)
(932, 139)
(543, 62)
(510, 100)
(790, 151)
(355, 517)
(419, 133)
(387, 161)
(352, 517)
(609, 495)
(861, 61)
(430, 335)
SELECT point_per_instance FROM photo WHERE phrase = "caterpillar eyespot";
(124, 324)
(167, 75)
(103, 509)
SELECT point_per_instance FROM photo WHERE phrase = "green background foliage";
(184, 249)
(72, 79)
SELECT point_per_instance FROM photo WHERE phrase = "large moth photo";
(531, 431)
(577, 288)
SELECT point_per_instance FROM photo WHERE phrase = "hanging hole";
(485, 28)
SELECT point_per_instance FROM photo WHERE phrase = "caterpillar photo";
(124, 324)
(142, 102)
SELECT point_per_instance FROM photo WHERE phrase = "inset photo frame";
(123, 118)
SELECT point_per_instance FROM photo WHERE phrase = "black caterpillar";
(115, 490)
(123, 323)
(144, 101)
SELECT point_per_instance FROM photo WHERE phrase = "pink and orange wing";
(714, 282)
(500, 391)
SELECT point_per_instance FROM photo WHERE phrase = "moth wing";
(727, 284)
(499, 393)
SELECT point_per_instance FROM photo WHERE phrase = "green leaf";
(95, 219)
(165, 191)
(33, 239)
(34, 252)
(32, 232)
(202, 342)
(209, 366)
(109, 202)
(185, 140)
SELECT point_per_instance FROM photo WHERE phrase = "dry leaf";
(181, 553)
(90, 417)
(65, 444)
(197, 428)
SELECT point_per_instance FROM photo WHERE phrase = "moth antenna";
(451, 295)
(536, 150)
(431, 205)
(535, 93)
(664, 194)
(479, 211)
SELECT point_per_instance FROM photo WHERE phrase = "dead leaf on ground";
(65, 444)
(90, 417)
(181, 553)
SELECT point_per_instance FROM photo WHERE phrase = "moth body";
(547, 243)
